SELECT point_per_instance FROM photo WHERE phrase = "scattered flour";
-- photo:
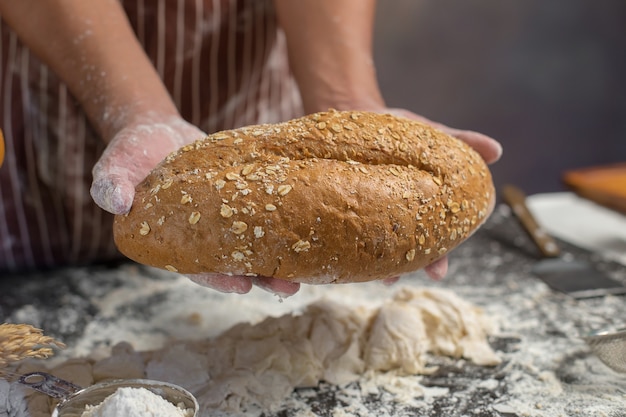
(172, 328)
(135, 402)
(261, 364)
(547, 371)
(12, 401)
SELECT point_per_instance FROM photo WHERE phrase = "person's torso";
(224, 63)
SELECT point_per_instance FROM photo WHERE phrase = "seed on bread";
(239, 227)
(194, 217)
(145, 229)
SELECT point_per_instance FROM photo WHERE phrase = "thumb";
(113, 193)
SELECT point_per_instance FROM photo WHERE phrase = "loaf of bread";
(332, 197)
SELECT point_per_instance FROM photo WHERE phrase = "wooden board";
(605, 185)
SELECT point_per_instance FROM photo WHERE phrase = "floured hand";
(131, 154)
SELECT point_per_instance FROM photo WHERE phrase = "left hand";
(487, 147)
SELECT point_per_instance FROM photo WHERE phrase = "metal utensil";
(575, 277)
(610, 347)
(74, 399)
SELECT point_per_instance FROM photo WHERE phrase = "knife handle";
(516, 199)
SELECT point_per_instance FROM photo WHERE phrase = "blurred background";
(545, 78)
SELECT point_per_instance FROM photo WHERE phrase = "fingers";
(438, 269)
(277, 286)
(487, 147)
(390, 281)
(223, 283)
(243, 285)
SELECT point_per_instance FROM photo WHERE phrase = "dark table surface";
(547, 369)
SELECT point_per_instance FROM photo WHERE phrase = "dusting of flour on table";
(135, 402)
(169, 324)
(261, 364)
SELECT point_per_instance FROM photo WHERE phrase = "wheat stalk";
(22, 341)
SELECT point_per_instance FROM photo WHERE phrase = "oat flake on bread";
(332, 197)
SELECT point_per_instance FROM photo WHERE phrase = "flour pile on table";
(264, 362)
(260, 364)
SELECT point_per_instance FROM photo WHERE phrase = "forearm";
(330, 52)
(92, 48)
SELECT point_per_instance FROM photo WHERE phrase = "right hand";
(131, 154)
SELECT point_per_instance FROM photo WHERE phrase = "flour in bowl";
(135, 402)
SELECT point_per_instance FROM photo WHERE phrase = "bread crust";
(332, 197)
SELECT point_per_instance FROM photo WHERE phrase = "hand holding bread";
(130, 155)
(328, 198)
